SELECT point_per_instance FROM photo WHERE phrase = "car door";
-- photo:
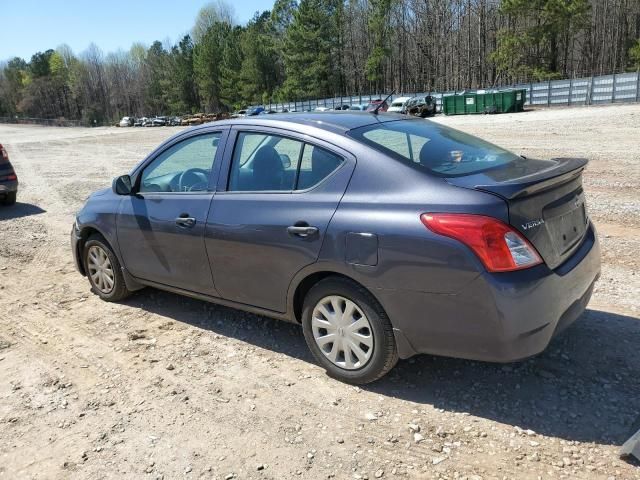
(276, 196)
(161, 227)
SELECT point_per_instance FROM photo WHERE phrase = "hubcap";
(342, 332)
(100, 269)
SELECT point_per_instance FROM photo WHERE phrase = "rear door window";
(264, 162)
(317, 164)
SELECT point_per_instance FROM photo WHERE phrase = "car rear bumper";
(497, 317)
(8, 187)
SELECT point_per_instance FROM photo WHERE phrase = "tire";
(10, 199)
(96, 245)
(383, 354)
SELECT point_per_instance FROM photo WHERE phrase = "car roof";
(401, 99)
(337, 121)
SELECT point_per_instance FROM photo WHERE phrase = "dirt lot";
(166, 387)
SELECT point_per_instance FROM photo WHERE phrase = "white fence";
(615, 88)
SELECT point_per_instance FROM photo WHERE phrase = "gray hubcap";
(100, 269)
(342, 332)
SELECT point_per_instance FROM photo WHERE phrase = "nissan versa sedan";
(383, 236)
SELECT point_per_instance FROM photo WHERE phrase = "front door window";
(184, 167)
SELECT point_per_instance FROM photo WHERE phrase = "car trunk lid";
(545, 199)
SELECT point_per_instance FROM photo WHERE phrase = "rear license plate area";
(568, 228)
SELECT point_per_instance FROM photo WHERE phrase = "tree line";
(305, 49)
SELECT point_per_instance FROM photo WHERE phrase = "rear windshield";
(441, 150)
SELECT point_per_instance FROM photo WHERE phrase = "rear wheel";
(10, 199)
(103, 270)
(348, 332)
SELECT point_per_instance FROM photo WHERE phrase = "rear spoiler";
(564, 171)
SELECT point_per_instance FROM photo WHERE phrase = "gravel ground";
(162, 386)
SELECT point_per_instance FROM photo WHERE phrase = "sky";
(30, 26)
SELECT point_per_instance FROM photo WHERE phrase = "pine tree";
(308, 45)
(541, 36)
(634, 56)
(207, 60)
(259, 73)
(379, 28)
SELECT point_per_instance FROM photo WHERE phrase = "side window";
(396, 141)
(184, 167)
(317, 164)
(263, 162)
(402, 143)
(416, 143)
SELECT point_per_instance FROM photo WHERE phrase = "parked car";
(358, 107)
(195, 119)
(158, 121)
(382, 237)
(126, 122)
(384, 106)
(321, 109)
(239, 114)
(399, 105)
(342, 107)
(139, 122)
(422, 106)
(8, 179)
(252, 111)
(174, 121)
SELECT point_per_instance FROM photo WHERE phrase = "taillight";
(500, 247)
(3, 153)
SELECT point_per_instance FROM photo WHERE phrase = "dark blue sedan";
(8, 180)
(383, 236)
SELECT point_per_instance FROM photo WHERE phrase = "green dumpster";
(488, 102)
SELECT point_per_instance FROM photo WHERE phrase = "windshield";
(441, 150)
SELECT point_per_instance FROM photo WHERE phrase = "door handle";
(302, 231)
(185, 221)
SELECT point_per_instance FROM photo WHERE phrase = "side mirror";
(122, 185)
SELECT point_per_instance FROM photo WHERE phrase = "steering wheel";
(192, 178)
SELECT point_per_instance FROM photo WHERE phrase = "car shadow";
(584, 387)
(19, 210)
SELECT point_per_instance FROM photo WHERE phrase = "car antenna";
(375, 110)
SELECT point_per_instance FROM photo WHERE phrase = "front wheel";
(103, 270)
(348, 332)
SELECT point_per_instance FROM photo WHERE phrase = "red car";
(8, 179)
(384, 106)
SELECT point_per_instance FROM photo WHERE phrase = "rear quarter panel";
(418, 275)
(386, 198)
